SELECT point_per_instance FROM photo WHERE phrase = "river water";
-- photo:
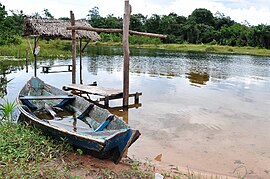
(202, 112)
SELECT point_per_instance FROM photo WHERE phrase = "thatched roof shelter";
(52, 28)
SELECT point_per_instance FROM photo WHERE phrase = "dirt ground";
(87, 166)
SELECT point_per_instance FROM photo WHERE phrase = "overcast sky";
(254, 11)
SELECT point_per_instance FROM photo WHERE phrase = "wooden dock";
(106, 94)
(46, 68)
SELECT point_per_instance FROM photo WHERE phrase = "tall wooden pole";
(81, 78)
(73, 49)
(35, 56)
(126, 53)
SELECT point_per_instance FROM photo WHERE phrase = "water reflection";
(8, 66)
(3, 86)
(198, 78)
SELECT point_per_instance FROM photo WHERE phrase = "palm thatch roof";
(53, 28)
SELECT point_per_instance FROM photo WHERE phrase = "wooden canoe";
(65, 116)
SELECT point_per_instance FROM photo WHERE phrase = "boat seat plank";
(47, 97)
(103, 125)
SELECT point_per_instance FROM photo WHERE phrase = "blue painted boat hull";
(96, 136)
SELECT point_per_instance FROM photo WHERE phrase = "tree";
(137, 22)
(113, 22)
(11, 27)
(172, 25)
(95, 19)
(261, 36)
(47, 14)
(36, 15)
(202, 16)
(3, 12)
(152, 24)
(221, 20)
(234, 35)
(15, 23)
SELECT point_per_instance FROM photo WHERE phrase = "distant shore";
(62, 48)
(202, 48)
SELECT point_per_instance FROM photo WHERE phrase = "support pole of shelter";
(35, 56)
(26, 60)
(81, 51)
(73, 48)
(126, 53)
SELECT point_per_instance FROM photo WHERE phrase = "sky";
(253, 11)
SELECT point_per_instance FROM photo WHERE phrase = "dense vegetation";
(199, 27)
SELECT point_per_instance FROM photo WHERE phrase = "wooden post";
(35, 56)
(73, 49)
(81, 80)
(26, 60)
(126, 53)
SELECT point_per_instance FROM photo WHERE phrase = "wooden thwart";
(47, 97)
(46, 68)
(106, 93)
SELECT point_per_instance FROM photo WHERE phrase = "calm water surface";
(206, 112)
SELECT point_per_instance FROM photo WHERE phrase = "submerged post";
(126, 53)
(26, 60)
(81, 51)
(35, 56)
(73, 49)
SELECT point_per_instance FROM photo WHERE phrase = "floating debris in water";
(158, 157)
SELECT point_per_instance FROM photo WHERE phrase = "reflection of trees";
(198, 78)
(198, 67)
(92, 65)
(106, 63)
(6, 67)
(3, 86)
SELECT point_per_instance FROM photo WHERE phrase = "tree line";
(200, 27)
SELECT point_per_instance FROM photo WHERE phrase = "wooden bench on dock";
(46, 68)
(106, 94)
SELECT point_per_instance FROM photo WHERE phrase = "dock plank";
(106, 94)
(95, 90)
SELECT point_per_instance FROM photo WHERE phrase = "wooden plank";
(49, 66)
(136, 95)
(95, 90)
(46, 68)
(116, 31)
(47, 97)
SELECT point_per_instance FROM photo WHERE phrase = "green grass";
(6, 110)
(48, 49)
(216, 49)
(26, 153)
(62, 48)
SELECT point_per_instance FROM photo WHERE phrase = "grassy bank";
(214, 49)
(26, 153)
(62, 48)
(48, 49)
